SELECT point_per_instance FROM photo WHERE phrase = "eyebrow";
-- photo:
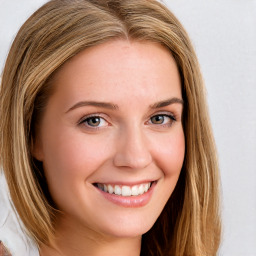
(112, 106)
(95, 104)
(167, 102)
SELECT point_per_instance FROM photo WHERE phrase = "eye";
(162, 119)
(94, 122)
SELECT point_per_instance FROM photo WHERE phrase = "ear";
(36, 148)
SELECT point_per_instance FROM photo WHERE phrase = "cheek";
(169, 152)
(72, 150)
(70, 160)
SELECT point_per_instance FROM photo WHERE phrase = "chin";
(128, 227)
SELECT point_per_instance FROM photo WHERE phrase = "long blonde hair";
(190, 221)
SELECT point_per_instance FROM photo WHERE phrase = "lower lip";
(130, 201)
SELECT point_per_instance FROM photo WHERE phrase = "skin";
(133, 142)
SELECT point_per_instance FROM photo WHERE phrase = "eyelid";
(168, 114)
(164, 113)
(83, 123)
(81, 120)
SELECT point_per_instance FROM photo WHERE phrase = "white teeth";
(110, 189)
(118, 190)
(146, 187)
(135, 190)
(141, 189)
(125, 190)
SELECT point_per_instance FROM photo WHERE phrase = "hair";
(190, 222)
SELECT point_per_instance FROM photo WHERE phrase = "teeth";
(118, 190)
(110, 189)
(141, 189)
(135, 190)
(100, 186)
(125, 190)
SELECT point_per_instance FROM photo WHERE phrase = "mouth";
(127, 195)
(125, 190)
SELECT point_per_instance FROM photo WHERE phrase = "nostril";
(132, 162)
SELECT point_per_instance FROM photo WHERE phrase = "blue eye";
(95, 121)
(162, 119)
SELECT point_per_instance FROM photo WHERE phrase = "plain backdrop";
(224, 35)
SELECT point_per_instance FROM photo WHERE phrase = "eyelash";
(169, 124)
(86, 119)
(90, 117)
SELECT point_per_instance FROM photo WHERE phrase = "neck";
(74, 240)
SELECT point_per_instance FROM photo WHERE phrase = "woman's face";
(111, 138)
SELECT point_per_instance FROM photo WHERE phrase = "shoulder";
(3, 250)
(14, 241)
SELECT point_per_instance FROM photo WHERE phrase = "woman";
(106, 142)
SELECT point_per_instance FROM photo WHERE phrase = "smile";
(124, 190)
(125, 195)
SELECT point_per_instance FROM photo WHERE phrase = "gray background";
(224, 35)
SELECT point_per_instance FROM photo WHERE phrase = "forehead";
(119, 68)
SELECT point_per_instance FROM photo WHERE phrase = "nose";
(132, 150)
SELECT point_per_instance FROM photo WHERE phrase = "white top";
(11, 233)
